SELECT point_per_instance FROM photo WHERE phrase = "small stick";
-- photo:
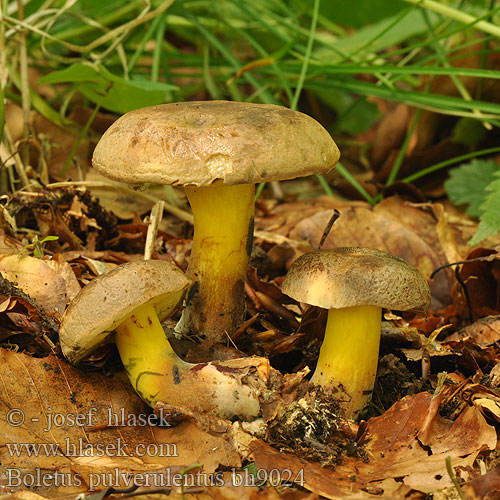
(277, 190)
(244, 327)
(274, 307)
(251, 293)
(14, 154)
(154, 221)
(328, 228)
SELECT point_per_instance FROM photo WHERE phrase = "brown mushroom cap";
(197, 143)
(109, 299)
(347, 277)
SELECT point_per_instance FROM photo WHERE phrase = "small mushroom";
(354, 284)
(130, 300)
(218, 150)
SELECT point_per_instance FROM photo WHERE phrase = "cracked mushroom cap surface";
(196, 143)
(351, 276)
(108, 300)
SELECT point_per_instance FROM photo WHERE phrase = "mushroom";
(218, 150)
(354, 284)
(131, 300)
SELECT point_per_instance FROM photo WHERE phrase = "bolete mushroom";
(217, 150)
(130, 300)
(354, 284)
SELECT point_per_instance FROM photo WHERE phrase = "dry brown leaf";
(484, 332)
(22, 495)
(281, 219)
(233, 491)
(481, 275)
(51, 283)
(125, 204)
(485, 487)
(396, 452)
(8, 245)
(446, 235)
(393, 226)
(14, 120)
(66, 414)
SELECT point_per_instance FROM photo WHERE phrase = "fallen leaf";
(51, 283)
(396, 452)
(88, 427)
(393, 226)
(485, 487)
(484, 332)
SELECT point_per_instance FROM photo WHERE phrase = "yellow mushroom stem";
(225, 389)
(347, 363)
(222, 243)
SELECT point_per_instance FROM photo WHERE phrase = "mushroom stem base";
(225, 389)
(348, 359)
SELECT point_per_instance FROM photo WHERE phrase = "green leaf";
(77, 72)
(49, 238)
(123, 96)
(467, 184)
(355, 115)
(149, 86)
(365, 11)
(359, 117)
(111, 91)
(388, 32)
(469, 131)
(489, 224)
(146, 85)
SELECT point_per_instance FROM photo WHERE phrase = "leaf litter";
(400, 451)
(437, 396)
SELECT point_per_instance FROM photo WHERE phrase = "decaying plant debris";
(403, 109)
(452, 413)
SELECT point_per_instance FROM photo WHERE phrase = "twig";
(154, 221)
(251, 294)
(466, 293)
(454, 479)
(244, 327)
(461, 282)
(275, 308)
(328, 228)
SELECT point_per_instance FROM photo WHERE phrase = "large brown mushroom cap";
(197, 143)
(350, 276)
(109, 299)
